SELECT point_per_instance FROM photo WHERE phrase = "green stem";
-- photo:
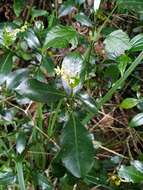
(105, 22)
(117, 84)
(51, 127)
(19, 169)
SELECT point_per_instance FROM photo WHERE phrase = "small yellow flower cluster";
(14, 32)
(68, 77)
(9, 34)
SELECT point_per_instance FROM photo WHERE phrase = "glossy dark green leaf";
(137, 43)
(83, 19)
(67, 182)
(138, 165)
(39, 91)
(112, 72)
(77, 150)
(117, 43)
(61, 37)
(20, 142)
(31, 39)
(47, 65)
(6, 176)
(129, 103)
(88, 102)
(136, 120)
(42, 181)
(5, 66)
(130, 174)
(18, 6)
(16, 77)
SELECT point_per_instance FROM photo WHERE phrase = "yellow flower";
(58, 70)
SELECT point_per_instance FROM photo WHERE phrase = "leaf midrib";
(76, 144)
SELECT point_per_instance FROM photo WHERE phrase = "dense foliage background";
(71, 95)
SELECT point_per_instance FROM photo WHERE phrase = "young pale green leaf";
(123, 61)
(18, 6)
(39, 91)
(70, 72)
(136, 5)
(136, 120)
(16, 77)
(137, 43)
(117, 43)
(60, 36)
(130, 174)
(6, 176)
(83, 19)
(96, 5)
(5, 66)
(77, 150)
(20, 142)
(129, 103)
(138, 165)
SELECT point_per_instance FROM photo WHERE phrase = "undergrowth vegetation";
(71, 95)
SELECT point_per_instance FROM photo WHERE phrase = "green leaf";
(137, 43)
(68, 182)
(136, 5)
(138, 165)
(6, 176)
(15, 78)
(66, 9)
(129, 103)
(136, 120)
(38, 13)
(83, 19)
(60, 37)
(18, 6)
(116, 43)
(77, 150)
(123, 61)
(130, 174)
(42, 181)
(112, 72)
(20, 142)
(47, 65)
(5, 66)
(39, 91)
(88, 102)
(31, 39)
